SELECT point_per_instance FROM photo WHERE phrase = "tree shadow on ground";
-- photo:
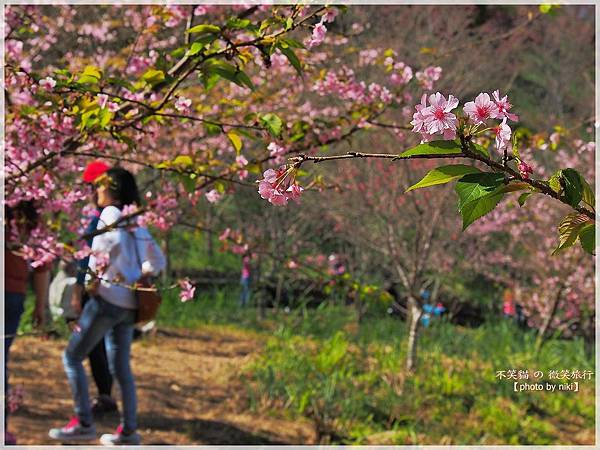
(205, 432)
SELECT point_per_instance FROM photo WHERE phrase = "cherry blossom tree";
(200, 100)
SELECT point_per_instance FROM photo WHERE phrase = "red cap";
(94, 170)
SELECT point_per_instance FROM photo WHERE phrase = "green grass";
(349, 379)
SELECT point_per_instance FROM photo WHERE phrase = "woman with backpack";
(121, 254)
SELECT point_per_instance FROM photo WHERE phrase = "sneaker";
(121, 439)
(73, 431)
(103, 404)
(9, 439)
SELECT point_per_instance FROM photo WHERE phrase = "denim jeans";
(100, 318)
(245, 294)
(13, 310)
(99, 364)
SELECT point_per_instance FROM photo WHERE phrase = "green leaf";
(90, 75)
(272, 123)
(209, 81)
(292, 58)
(236, 141)
(188, 181)
(514, 187)
(573, 185)
(547, 8)
(433, 148)
(105, 117)
(587, 238)
(478, 194)
(122, 83)
(289, 22)
(195, 48)
(204, 29)
(444, 174)
(183, 160)
(153, 76)
(523, 198)
(568, 230)
(212, 129)
(238, 24)
(231, 73)
(554, 182)
(291, 43)
(588, 194)
(244, 79)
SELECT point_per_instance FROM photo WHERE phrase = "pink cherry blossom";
(213, 196)
(183, 104)
(293, 192)
(187, 290)
(438, 116)
(428, 76)
(402, 74)
(48, 83)
(82, 253)
(481, 109)
(503, 107)
(503, 133)
(278, 186)
(112, 106)
(241, 160)
(525, 169)
(330, 15)
(318, 35)
(102, 100)
(418, 121)
(225, 234)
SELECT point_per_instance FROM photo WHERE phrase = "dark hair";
(24, 212)
(123, 187)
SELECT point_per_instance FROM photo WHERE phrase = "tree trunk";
(547, 321)
(414, 317)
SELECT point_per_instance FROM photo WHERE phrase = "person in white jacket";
(120, 255)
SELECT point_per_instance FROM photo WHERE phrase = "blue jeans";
(245, 294)
(100, 318)
(13, 310)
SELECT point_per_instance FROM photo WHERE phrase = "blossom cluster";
(235, 237)
(434, 119)
(320, 30)
(344, 85)
(188, 290)
(279, 186)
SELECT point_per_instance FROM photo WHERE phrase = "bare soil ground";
(188, 385)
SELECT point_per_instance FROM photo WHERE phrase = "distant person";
(521, 319)
(427, 308)
(508, 305)
(24, 217)
(426, 316)
(245, 281)
(121, 254)
(61, 290)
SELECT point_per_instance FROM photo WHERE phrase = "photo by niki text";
(525, 380)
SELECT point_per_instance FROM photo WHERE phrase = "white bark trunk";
(415, 316)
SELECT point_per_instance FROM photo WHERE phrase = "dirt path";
(189, 392)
